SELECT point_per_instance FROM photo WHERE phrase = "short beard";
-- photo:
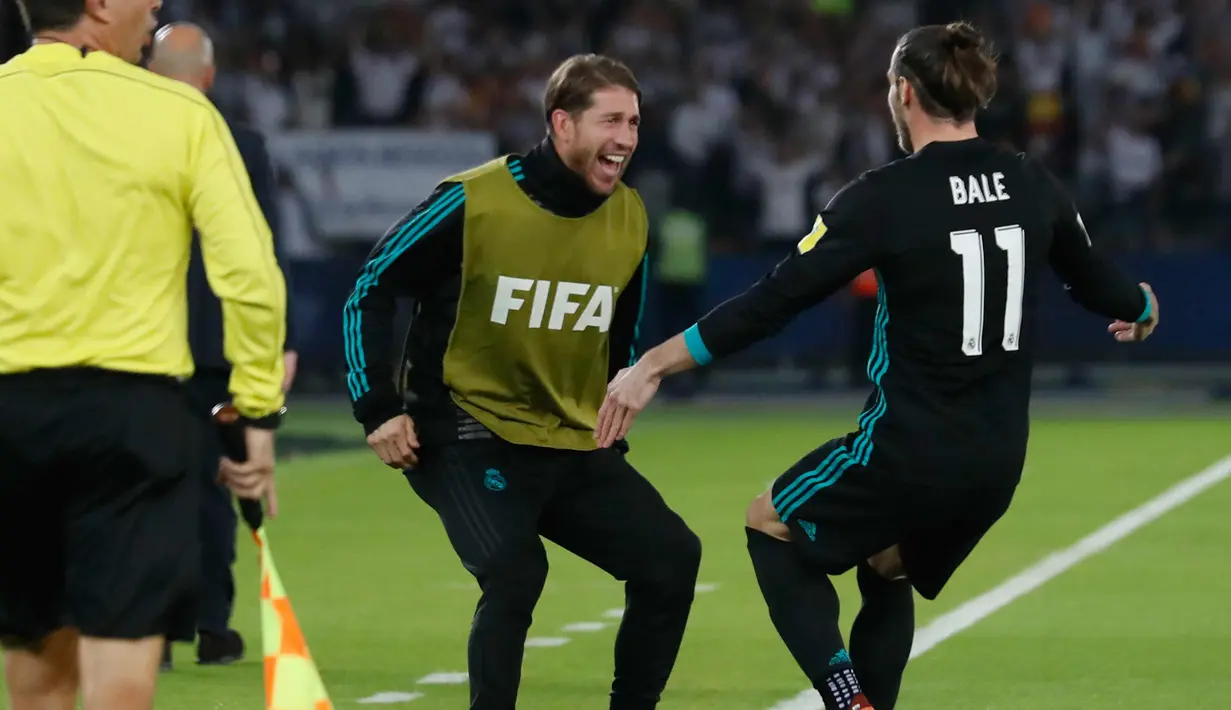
(577, 160)
(897, 113)
(904, 138)
(904, 133)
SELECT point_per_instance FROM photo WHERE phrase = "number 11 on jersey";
(968, 244)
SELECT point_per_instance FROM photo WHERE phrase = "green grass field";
(1147, 624)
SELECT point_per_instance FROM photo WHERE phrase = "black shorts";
(98, 506)
(841, 513)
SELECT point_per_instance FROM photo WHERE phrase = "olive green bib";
(528, 356)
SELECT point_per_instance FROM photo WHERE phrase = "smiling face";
(598, 143)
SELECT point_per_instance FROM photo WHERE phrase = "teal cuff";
(696, 346)
(1149, 311)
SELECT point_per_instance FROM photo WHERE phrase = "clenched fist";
(395, 442)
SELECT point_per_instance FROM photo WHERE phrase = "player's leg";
(217, 643)
(884, 629)
(803, 606)
(132, 542)
(824, 516)
(488, 495)
(607, 513)
(943, 527)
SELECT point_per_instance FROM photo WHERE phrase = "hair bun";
(961, 36)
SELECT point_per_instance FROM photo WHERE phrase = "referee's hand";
(395, 442)
(254, 478)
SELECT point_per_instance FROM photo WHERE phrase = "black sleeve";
(843, 243)
(1092, 279)
(626, 323)
(413, 257)
(261, 174)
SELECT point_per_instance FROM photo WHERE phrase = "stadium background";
(756, 111)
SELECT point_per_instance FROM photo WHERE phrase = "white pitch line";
(975, 610)
(444, 679)
(546, 642)
(389, 698)
(533, 642)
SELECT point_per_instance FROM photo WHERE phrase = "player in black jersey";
(960, 234)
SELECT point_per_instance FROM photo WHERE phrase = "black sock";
(882, 635)
(804, 608)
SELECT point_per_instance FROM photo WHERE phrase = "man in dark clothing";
(183, 52)
(961, 234)
(528, 275)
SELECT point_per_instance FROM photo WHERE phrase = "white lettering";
(998, 181)
(541, 291)
(987, 189)
(976, 194)
(505, 302)
(959, 190)
(977, 188)
(564, 304)
(566, 300)
(598, 311)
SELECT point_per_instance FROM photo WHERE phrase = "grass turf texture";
(384, 602)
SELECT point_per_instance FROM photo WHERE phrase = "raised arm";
(842, 244)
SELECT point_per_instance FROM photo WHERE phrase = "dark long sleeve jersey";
(960, 234)
(421, 258)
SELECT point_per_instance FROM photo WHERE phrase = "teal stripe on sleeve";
(696, 346)
(407, 235)
(1149, 309)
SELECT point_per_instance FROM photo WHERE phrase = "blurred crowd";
(756, 111)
